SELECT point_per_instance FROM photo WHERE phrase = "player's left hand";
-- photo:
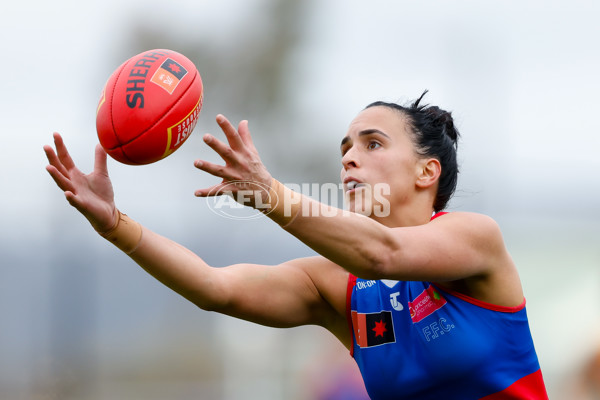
(91, 194)
(243, 172)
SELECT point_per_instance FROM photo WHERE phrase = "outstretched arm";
(456, 247)
(298, 292)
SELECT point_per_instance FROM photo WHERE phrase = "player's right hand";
(91, 194)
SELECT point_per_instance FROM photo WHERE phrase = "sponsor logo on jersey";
(373, 329)
(396, 305)
(365, 284)
(425, 304)
(168, 75)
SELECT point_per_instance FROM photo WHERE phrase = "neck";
(417, 211)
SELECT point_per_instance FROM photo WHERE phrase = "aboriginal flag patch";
(373, 329)
(169, 75)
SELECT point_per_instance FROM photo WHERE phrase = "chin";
(360, 206)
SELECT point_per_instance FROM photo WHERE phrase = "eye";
(372, 145)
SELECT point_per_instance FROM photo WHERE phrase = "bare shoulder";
(479, 229)
(476, 221)
(500, 283)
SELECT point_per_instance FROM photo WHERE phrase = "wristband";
(126, 234)
(285, 203)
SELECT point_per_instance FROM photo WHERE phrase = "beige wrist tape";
(126, 234)
(285, 203)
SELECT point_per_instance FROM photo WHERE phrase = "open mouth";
(352, 185)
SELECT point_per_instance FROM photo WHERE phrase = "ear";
(428, 172)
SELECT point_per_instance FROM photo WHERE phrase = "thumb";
(75, 201)
(100, 166)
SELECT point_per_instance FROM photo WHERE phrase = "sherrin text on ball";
(149, 107)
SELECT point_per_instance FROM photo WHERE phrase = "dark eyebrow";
(364, 133)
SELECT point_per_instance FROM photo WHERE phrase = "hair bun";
(444, 119)
(438, 117)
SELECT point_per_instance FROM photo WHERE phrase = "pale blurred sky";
(521, 78)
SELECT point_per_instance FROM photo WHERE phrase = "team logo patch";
(168, 75)
(373, 329)
(425, 304)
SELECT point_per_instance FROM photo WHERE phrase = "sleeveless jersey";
(417, 340)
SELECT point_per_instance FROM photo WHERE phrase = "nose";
(350, 159)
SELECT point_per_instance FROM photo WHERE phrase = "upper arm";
(298, 292)
(452, 247)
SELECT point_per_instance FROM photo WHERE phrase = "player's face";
(379, 162)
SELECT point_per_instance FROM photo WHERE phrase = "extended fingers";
(244, 133)
(226, 152)
(215, 190)
(233, 137)
(216, 170)
(63, 153)
(62, 181)
(54, 161)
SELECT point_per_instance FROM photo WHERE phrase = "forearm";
(172, 264)
(357, 243)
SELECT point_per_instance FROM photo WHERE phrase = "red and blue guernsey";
(415, 340)
(418, 340)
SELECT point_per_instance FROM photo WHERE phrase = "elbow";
(213, 300)
(374, 271)
(382, 260)
(207, 305)
(203, 304)
(381, 268)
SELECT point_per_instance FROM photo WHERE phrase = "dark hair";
(435, 136)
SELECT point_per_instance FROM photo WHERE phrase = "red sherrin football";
(149, 107)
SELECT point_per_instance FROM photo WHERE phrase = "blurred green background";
(79, 320)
